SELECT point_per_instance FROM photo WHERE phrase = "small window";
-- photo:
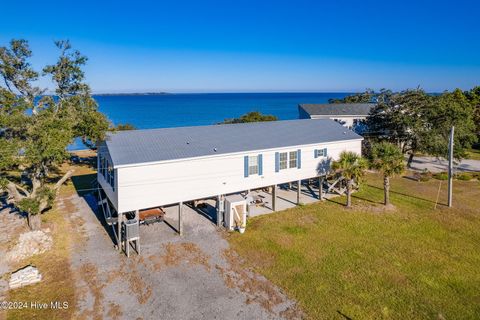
(293, 159)
(283, 160)
(321, 152)
(252, 165)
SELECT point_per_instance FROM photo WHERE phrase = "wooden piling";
(274, 197)
(299, 188)
(180, 218)
(320, 188)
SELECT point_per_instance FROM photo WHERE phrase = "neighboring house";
(142, 169)
(350, 115)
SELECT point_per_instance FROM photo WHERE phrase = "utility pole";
(450, 167)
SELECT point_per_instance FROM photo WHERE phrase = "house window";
(252, 165)
(283, 160)
(320, 153)
(292, 163)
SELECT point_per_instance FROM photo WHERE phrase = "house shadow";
(85, 188)
(206, 210)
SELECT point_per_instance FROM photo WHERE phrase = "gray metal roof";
(333, 109)
(143, 146)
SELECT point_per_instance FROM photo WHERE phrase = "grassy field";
(473, 154)
(412, 262)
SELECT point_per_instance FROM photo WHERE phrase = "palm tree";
(388, 159)
(352, 167)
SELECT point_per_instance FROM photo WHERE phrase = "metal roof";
(338, 109)
(154, 145)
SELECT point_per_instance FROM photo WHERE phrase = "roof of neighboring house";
(154, 145)
(338, 109)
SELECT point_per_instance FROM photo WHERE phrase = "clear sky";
(255, 46)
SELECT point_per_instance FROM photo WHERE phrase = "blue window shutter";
(245, 166)
(299, 159)
(325, 152)
(277, 161)
(260, 164)
(315, 153)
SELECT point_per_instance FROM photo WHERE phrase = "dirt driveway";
(194, 276)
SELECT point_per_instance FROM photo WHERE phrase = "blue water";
(176, 110)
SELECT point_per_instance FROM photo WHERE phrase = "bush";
(465, 176)
(441, 176)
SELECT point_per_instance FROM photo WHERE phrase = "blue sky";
(255, 46)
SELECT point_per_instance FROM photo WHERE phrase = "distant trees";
(124, 127)
(35, 129)
(419, 122)
(364, 97)
(352, 167)
(388, 159)
(253, 116)
(401, 118)
(473, 97)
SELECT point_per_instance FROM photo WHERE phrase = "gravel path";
(195, 276)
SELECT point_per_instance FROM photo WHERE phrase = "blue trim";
(325, 152)
(277, 161)
(260, 164)
(315, 153)
(299, 159)
(245, 166)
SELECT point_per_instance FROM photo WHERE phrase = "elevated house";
(350, 115)
(142, 169)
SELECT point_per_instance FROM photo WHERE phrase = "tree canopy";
(363, 97)
(253, 116)
(352, 167)
(421, 122)
(35, 128)
(388, 159)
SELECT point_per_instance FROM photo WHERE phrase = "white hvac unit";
(235, 212)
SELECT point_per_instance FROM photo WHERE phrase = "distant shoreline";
(133, 94)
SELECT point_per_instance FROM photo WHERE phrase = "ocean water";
(176, 110)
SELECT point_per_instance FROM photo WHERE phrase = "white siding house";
(149, 168)
(349, 115)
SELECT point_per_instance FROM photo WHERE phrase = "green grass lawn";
(414, 262)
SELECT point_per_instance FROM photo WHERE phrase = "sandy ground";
(439, 165)
(11, 226)
(194, 276)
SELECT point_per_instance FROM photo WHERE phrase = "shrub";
(441, 176)
(464, 176)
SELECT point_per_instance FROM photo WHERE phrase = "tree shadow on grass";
(335, 200)
(406, 195)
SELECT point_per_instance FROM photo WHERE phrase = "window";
(292, 163)
(283, 160)
(252, 165)
(320, 152)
